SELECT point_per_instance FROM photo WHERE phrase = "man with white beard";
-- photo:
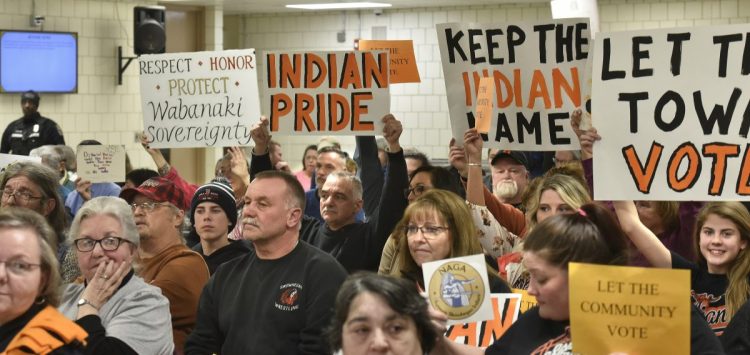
(510, 176)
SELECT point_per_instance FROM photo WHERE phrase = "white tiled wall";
(423, 107)
(103, 110)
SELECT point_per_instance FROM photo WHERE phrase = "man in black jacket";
(30, 131)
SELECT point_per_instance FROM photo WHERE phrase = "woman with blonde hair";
(719, 281)
(437, 226)
(553, 194)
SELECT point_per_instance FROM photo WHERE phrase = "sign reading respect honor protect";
(325, 93)
(537, 70)
(459, 288)
(199, 99)
(672, 108)
(631, 310)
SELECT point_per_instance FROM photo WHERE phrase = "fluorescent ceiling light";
(339, 5)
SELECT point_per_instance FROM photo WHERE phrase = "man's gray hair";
(353, 179)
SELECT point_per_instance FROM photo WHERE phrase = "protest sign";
(458, 287)
(101, 163)
(505, 310)
(401, 62)
(6, 159)
(537, 69)
(484, 104)
(199, 99)
(631, 310)
(527, 301)
(325, 93)
(672, 108)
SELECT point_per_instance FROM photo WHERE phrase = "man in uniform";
(30, 131)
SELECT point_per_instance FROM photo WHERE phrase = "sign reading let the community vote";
(537, 71)
(672, 108)
(631, 310)
(199, 99)
(325, 93)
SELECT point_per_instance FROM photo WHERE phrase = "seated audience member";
(53, 158)
(510, 177)
(122, 313)
(309, 158)
(381, 314)
(672, 222)
(279, 296)
(563, 157)
(277, 157)
(34, 186)
(736, 337)
(136, 177)
(554, 194)
(434, 228)
(719, 280)
(29, 289)
(415, 160)
(164, 261)
(592, 236)
(70, 166)
(85, 190)
(213, 213)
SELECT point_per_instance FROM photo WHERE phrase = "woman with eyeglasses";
(29, 289)
(121, 313)
(437, 226)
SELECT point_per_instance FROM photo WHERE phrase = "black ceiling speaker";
(149, 34)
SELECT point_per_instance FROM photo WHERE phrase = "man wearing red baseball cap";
(159, 211)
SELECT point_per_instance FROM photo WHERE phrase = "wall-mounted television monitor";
(39, 61)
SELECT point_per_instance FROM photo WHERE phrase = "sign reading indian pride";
(537, 70)
(199, 99)
(672, 108)
(325, 93)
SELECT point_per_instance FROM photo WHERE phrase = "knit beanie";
(219, 193)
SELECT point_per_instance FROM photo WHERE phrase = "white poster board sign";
(101, 163)
(672, 108)
(538, 73)
(325, 93)
(199, 99)
(505, 310)
(459, 288)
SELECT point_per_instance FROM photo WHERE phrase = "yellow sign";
(527, 301)
(629, 310)
(484, 104)
(403, 65)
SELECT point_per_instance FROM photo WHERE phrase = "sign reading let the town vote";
(672, 108)
(199, 99)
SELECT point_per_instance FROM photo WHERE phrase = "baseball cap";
(158, 189)
(517, 156)
(30, 95)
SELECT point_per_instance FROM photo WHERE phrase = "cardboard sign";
(537, 69)
(672, 108)
(458, 287)
(505, 310)
(527, 301)
(7, 159)
(484, 104)
(199, 99)
(402, 64)
(325, 93)
(101, 163)
(631, 310)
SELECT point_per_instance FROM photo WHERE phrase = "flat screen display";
(39, 61)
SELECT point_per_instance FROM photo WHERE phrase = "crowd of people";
(264, 260)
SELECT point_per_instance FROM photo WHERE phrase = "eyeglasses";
(108, 243)
(18, 267)
(417, 190)
(146, 206)
(427, 231)
(20, 196)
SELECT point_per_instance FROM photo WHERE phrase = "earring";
(40, 300)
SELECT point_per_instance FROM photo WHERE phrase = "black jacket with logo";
(27, 133)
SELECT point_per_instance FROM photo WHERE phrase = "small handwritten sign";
(101, 163)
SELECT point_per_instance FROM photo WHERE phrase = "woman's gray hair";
(109, 206)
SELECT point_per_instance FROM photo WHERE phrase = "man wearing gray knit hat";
(213, 213)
